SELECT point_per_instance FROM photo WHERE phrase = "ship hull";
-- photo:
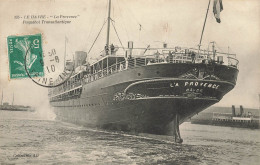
(145, 115)
(254, 124)
(147, 99)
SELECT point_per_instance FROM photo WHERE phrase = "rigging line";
(113, 10)
(131, 24)
(93, 23)
(92, 27)
(204, 25)
(97, 37)
(105, 14)
(123, 20)
(117, 35)
(230, 50)
(219, 47)
(132, 13)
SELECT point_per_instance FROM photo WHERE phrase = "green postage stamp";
(25, 48)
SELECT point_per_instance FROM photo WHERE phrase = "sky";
(176, 22)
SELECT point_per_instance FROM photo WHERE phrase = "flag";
(66, 39)
(140, 27)
(217, 8)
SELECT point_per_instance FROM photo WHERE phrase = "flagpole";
(65, 54)
(203, 27)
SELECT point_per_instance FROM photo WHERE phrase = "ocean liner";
(149, 90)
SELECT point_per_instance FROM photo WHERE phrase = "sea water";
(36, 138)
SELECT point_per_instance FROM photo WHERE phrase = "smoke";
(44, 111)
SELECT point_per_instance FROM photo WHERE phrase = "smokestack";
(130, 44)
(241, 110)
(233, 110)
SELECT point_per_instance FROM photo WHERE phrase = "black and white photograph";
(130, 82)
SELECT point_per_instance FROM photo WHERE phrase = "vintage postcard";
(129, 82)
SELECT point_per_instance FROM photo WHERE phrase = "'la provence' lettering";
(195, 84)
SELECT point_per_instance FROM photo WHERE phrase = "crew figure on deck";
(170, 57)
(106, 49)
(112, 47)
(193, 55)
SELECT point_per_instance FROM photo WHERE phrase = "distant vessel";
(236, 120)
(7, 107)
(144, 90)
(242, 119)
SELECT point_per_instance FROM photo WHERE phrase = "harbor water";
(37, 138)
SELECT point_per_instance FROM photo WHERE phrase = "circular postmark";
(47, 71)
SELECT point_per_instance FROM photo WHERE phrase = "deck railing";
(138, 61)
(181, 55)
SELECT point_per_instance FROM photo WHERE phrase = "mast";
(108, 23)
(13, 99)
(204, 26)
(65, 54)
(213, 49)
(2, 98)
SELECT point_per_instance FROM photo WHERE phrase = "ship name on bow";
(195, 84)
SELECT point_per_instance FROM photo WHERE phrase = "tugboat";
(244, 120)
(144, 90)
(248, 118)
